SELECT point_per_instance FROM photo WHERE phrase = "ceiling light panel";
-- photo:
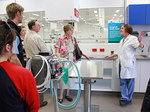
(35, 14)
(115, 14)
(117, 11)
(95, 11)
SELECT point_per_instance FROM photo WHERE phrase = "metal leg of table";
(87, 94)
(55, 99)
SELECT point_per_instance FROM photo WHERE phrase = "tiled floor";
(105, 101)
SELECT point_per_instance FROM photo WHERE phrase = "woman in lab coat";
(127, 62)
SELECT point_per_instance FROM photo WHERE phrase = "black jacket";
(20, 47)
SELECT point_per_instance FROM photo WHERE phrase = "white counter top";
(138, 57)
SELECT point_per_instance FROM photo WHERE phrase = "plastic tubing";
(41, 88)
(79, 91)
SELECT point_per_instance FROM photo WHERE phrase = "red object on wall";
(101, 49)
(76, 12)
(94, 50)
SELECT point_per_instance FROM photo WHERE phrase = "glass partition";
(92, 25)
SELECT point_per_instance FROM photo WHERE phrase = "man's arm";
(14, 59)
(41, 45)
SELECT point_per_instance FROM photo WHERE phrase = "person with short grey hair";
(33, 44)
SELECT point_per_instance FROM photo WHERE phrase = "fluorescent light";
(96, 15)
(115, 14)
(42, 24)
(35, 14)
(117, 11)
(95, 11)
(121, 16)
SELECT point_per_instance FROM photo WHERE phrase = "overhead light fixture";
(96, 15)
(117, 11)
(42, 25)
(113, 17)
(121, 16)
(95, 11)
(115, 14)
(35, 14)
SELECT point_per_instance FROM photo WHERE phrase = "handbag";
(78, 52)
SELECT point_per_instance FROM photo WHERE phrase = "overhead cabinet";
(60, 10)
(138, 14)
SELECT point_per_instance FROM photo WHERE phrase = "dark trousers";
(146, 100)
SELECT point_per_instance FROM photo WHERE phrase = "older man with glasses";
(33, 44)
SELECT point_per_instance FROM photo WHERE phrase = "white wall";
(138, 2)
(100, 3)
(3, 5)
(87, 48)
(29, 5)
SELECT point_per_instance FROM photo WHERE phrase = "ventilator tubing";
(42, 87)
(79, 91)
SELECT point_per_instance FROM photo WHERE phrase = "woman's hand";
(140, 37)
(111, 56)
(140, 40)
(108, 57)
(89, 57)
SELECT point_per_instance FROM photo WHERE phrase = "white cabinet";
(143, 71)
(137, 79)
(111, 82)
(59, 10)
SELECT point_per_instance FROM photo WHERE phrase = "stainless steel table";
(55, 99)
(88, 70)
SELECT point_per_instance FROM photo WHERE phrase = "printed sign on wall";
(114, 32)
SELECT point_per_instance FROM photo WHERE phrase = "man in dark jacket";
(15, 14)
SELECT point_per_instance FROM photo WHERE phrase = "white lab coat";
(127, 50)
